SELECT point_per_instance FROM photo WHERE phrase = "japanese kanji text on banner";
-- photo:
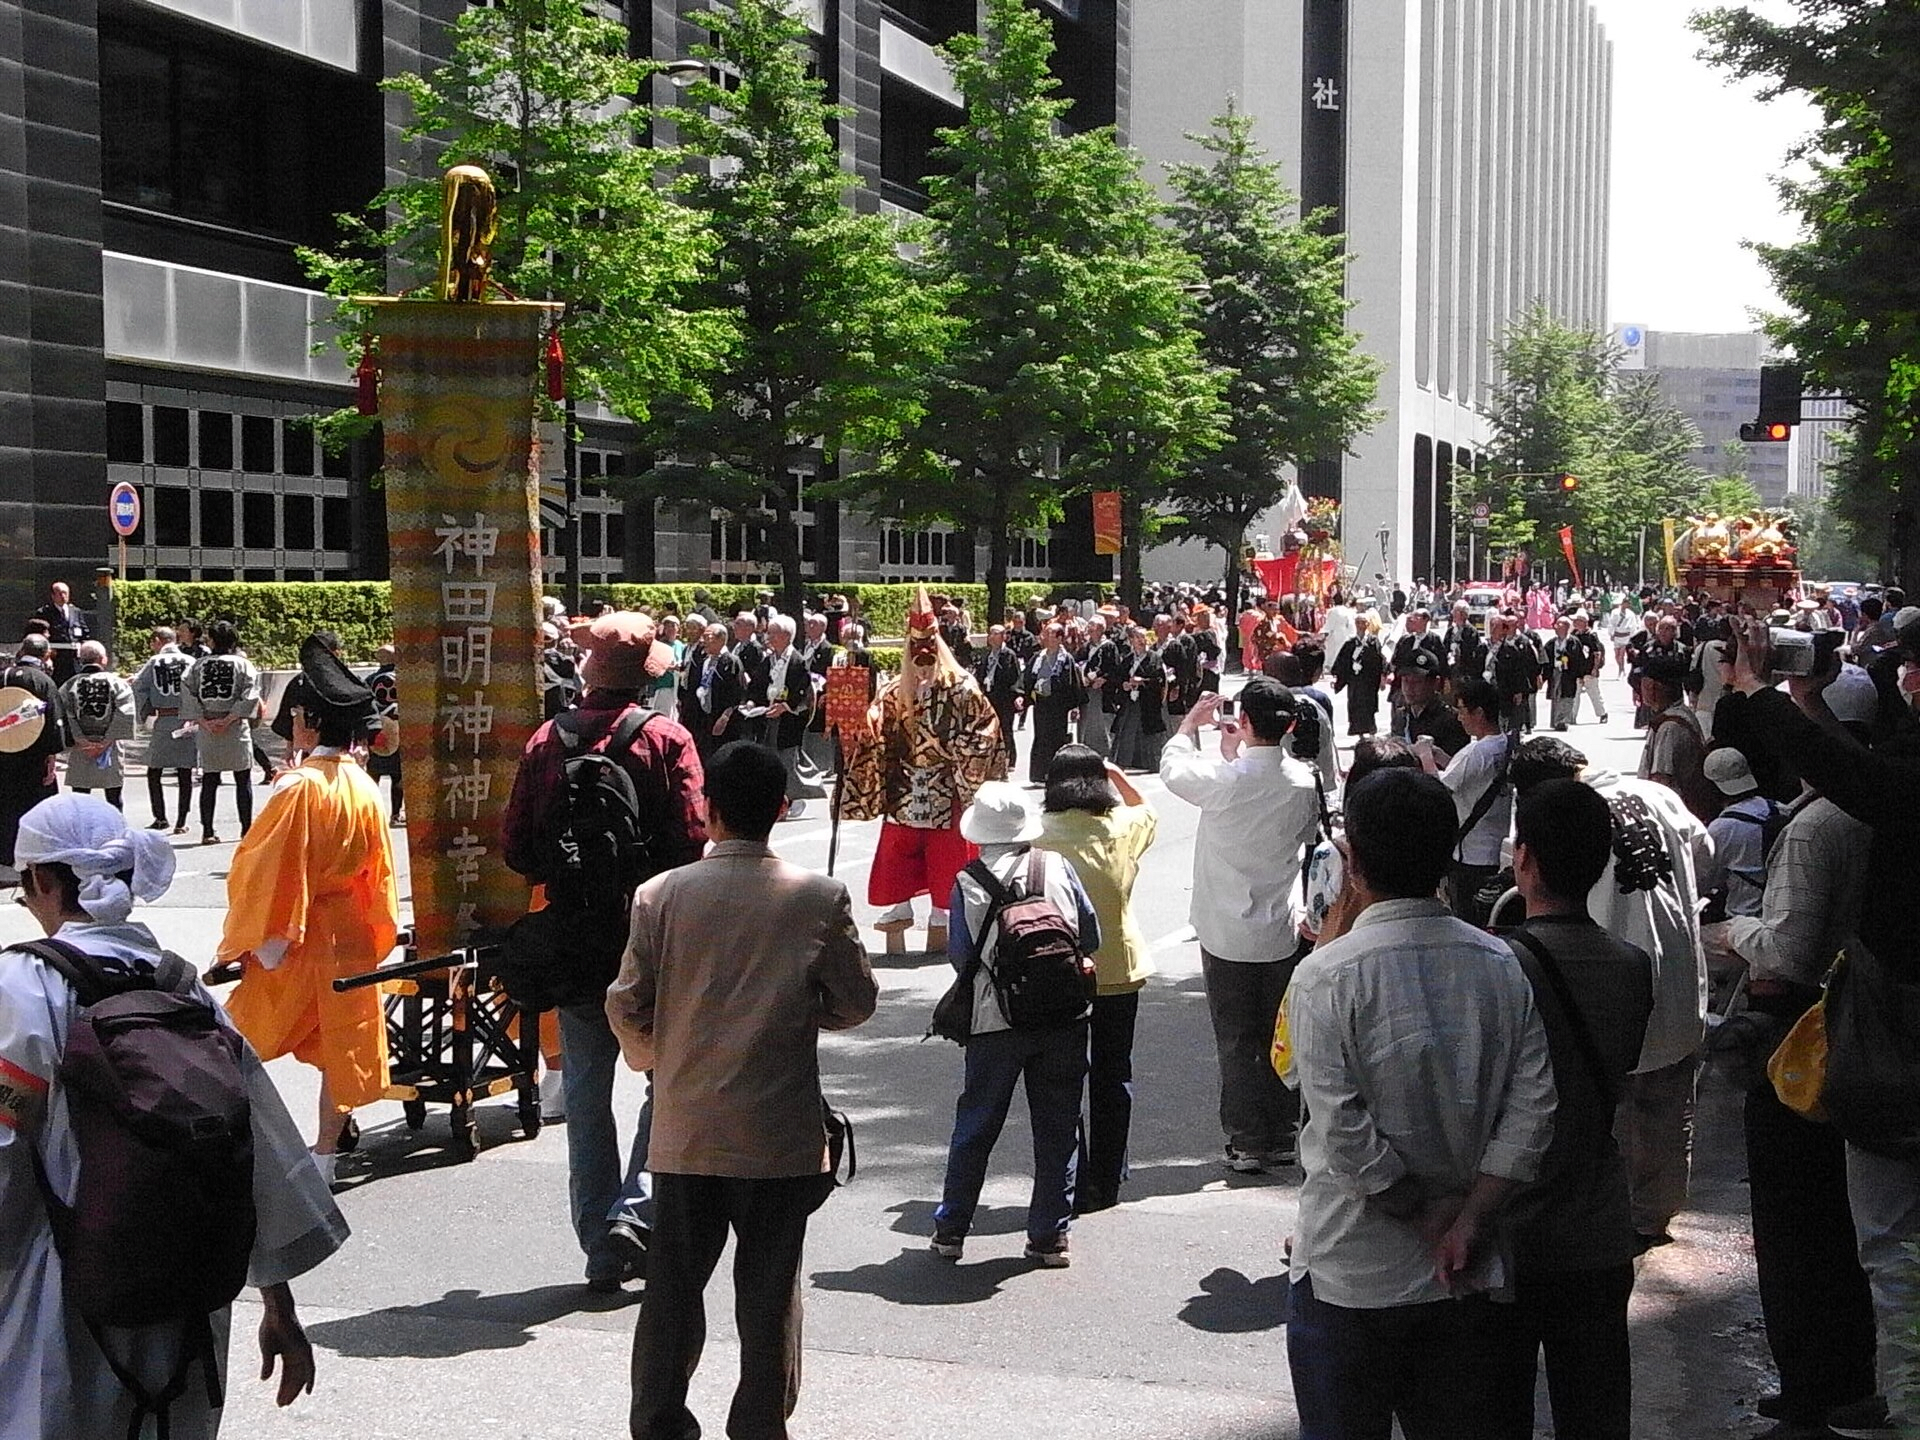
(457, 407)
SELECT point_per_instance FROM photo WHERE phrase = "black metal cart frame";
(455, 1038)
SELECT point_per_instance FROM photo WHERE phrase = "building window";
(125, 443)
(170, 431)
(257, 521)
(216, 440)
(172, 147)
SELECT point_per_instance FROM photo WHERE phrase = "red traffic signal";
(1766, 432)
(1569, 484)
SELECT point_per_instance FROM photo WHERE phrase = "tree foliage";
(539, 92)
(1066, 313)
(1852, 291)
(1273, 321)
(1562, 407)
(832, 334)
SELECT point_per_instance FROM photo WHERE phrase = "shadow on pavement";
(919, 1277)
(392, 1150)
(1231, 1304)
(460, 1322)
(916, 1218)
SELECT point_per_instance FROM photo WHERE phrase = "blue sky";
(1692, 157)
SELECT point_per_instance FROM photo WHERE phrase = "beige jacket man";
(735, 965)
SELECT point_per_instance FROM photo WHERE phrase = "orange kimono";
(315, 873)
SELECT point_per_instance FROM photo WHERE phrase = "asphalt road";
(457, 1309)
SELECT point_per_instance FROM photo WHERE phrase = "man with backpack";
(606, 796)
(116, 1323)
(1022, 937)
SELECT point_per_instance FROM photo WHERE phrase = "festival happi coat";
(931, 742)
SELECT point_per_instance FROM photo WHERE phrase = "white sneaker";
(553, 1097)
(325, 1165)
(796, 809)
(900, 916)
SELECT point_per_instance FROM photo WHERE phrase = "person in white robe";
(58, 1384)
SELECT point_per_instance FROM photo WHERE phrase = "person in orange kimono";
(311, 898)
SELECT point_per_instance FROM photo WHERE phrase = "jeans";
(1109, 1117)
(1813, 1293)
(1257, 1110)
(1654, 1129)
(1884, 1196)
(769, 1219)
(1356, 1371)
(1579, 1318)
(1053, 1062)
(599, 1189)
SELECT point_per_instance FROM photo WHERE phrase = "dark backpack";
(162, 1223)
(593, 853)
(1040, 974)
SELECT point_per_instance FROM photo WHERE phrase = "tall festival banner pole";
(457, 385)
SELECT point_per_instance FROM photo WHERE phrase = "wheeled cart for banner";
(454, 1038)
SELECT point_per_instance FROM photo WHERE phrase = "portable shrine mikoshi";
(454, 1038)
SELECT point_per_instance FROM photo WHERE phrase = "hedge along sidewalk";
(273, 617)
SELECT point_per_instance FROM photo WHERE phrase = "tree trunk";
(783, 538)
(999, 544)
(1130, 550)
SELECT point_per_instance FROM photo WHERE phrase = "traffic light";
(1766, 432)
(1569, 484)
(1781, 392)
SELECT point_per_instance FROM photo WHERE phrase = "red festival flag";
(1566, 548)
(1106, 522)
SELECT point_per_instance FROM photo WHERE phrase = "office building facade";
(163, 159)
(1464, 147)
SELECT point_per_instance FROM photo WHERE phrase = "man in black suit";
(712, 684)
(66, 628)
(1102, 670)
(1182, 662)
(784, 687)
(1466, 648)
(752, 655)
(1050, 685)
(27, 773)
(999, 671)
(1419, 636)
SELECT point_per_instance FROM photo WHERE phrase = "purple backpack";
(162, 1223)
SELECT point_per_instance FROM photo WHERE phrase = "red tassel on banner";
(556, 367)
(366, 378)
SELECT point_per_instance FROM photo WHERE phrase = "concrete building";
(161, 160)
(1465, 146)
(1715, 381)
(1816, 445)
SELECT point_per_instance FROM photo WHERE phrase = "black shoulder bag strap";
(1487, 798)
(1582, 1037)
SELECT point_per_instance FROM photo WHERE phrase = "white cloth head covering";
(91, 838)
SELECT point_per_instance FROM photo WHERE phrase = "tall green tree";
(1066, 318)
(832, 333)
(1273, 322)
(539, 93)
(1562, 407)
(1850, 285)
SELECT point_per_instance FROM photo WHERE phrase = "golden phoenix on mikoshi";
(466, 233)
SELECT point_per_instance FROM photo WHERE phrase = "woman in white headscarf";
(81, 870)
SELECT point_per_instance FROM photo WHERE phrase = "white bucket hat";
(1000, 815)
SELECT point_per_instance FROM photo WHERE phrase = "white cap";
(1852, 696)
(1728, 769)
(1000, 815)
